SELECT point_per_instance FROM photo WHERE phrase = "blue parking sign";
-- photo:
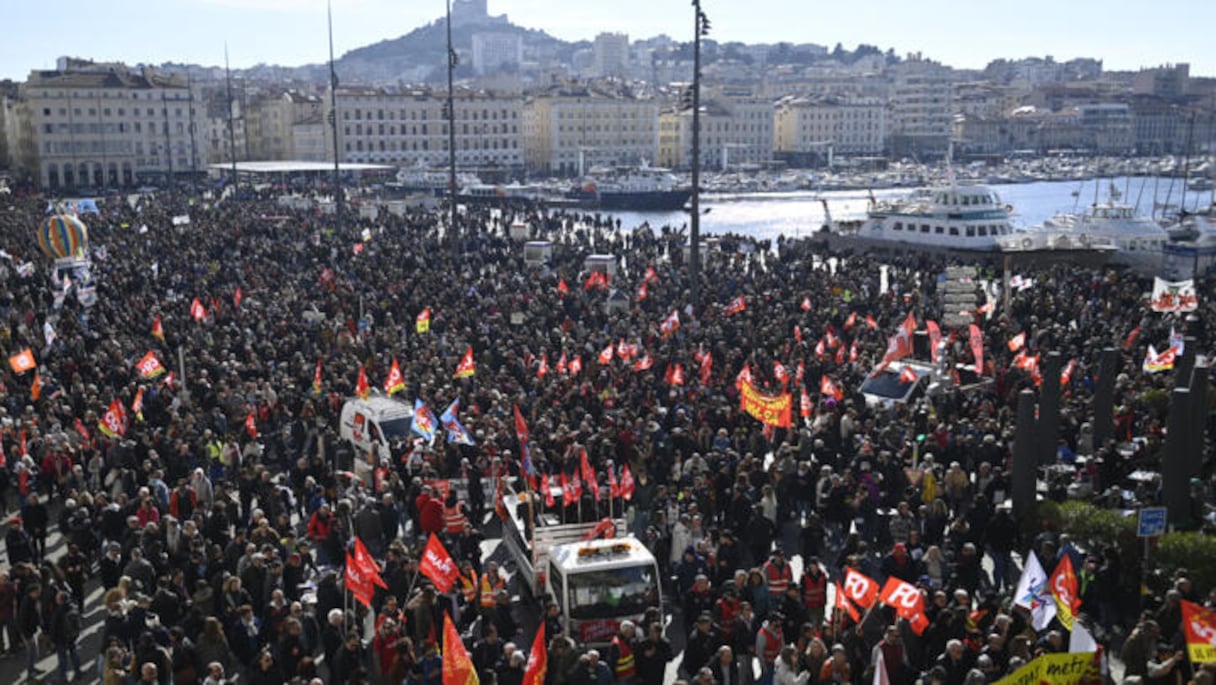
(1151, 522)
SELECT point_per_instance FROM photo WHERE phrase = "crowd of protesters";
(212, 532)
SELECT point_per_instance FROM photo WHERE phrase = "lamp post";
(701, 28)
(333, 118)
(451, 129)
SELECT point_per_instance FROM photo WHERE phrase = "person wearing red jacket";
(318, 530)
(430, 512)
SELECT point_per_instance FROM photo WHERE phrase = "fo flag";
(1199, 624)
(907, 601)
(860, 588)
(437, 565)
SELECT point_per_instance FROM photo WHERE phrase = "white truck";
(597, 584)
(372, 426)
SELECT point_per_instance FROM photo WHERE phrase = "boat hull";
(649, 201)
(840, 242)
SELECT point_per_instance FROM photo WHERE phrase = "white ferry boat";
(1139, 241)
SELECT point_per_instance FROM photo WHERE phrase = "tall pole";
(333, 116)
(451, 129)
(231, 121)
(701, 27)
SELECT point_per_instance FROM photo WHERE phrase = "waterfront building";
(808, 130)
(736, 128)
(567, 129)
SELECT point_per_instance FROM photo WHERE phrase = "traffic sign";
(1151, 522)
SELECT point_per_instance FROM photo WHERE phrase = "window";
(924, 228)
(983, 231)
(954, 230)
(939, 230)
(971, 231)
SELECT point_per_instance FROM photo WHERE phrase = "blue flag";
(423, 422)
(456, 431)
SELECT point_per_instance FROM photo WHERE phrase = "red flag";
(36, 387)
(562, 288)
(458, 668)
(168, 382)
(237, 297)
(562, 366)
(625, 351)
(395, 380)
(438, 565)
(500, 507)
(907, 601)
(422, 322)
(780, 373)
(840, 355)
(149, 366)
(158, 330)
(806, 304)
(853, 352)
(525, 454)
(576, 365)
(797, 334)
(316, 379)
(805, 404)
(568, 496)
(544, 485)
(627, 484)
(1066, 374)
(735, 306)
(674, 374)
(935, 340)
(362, 389)
(114, 423)
(538, 659)
(593, 484)
(137, 404)
(606, 354)
(860, 588)
(642, 293)
(871, 323)
(1064, 589)
(597, 279)
(651, 275)
(1017, 342)
(1131, 338)
(84, 432)
(800, 373)
(197, 311)
(671, 324)
(614, 488)
(977, 349)
(1199, 626)
(842, 602)
(851, 321)
(644, 362)
(707, 368)
(251, 427)
(907, 375)
(829, 389)
(358, 583)
(544, 365)
(909, 324)
(466, 367)
(821, 350)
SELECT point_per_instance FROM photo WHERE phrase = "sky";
(293, 32)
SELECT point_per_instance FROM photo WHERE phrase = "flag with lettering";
(860, 588)
(438, 565)
(395, 381)
(842, 602)
(423, 424)
(538, 659)
(907, 601)
(1199, 625)
(735, 306)
(114, 422)
(627, 484)
(1017, 342)
(829, 389)
(362, 388)
(455, 430)
(149, 366)
(458, 668)
(1064, 591)
(671, 324)
(466, 367)
(22, 361)
(357, 582)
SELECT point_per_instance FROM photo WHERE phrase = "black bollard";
(1024, 472)
(1048, 433)
(1174, 467)
(1184, 364)
(1104, 398)
(1199, 419)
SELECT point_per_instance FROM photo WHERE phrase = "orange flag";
(251, 426)
(36, 387)
(158, 329)
(457, 666)
(22, 361)
(197, 311)
(466, 367)
(1199, 624)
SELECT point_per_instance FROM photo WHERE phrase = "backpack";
(72, 622)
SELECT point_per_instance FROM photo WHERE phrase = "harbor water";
(797, 215)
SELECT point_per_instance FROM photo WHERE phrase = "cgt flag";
(149, 366)
(395, 381)
(466, 367)
(538, 659)
(1064, 590)
(458, 668)
(456, 430)
(422, 322)
(438, 565)
(1199, 625)
(423, 422)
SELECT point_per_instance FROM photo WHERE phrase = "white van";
(372, 426)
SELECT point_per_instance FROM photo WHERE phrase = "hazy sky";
(292, 32)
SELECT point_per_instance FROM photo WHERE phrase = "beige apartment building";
(812, 129)
(736, 129)
(409, 127)
(567, 130)
(91, 126)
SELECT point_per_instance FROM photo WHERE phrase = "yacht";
(641, 188)
(1138, 240)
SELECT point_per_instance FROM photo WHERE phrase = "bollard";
(1024, 472)
(1174, 468)
(1048, 433)
(1104, 398)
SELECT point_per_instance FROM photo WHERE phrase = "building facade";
(810, 130)
(567, 130)
(410, 128)
(93, 126)
(736, 129)
(496, 51)
(922, 109)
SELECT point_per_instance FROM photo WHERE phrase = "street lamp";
(701, 28)
(451, 129)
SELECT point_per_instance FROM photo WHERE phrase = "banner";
(1174, 296)
(1056, 669)
(1199, 624)
(768, 409)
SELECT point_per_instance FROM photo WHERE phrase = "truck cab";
(596, 583)
(372, 426)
